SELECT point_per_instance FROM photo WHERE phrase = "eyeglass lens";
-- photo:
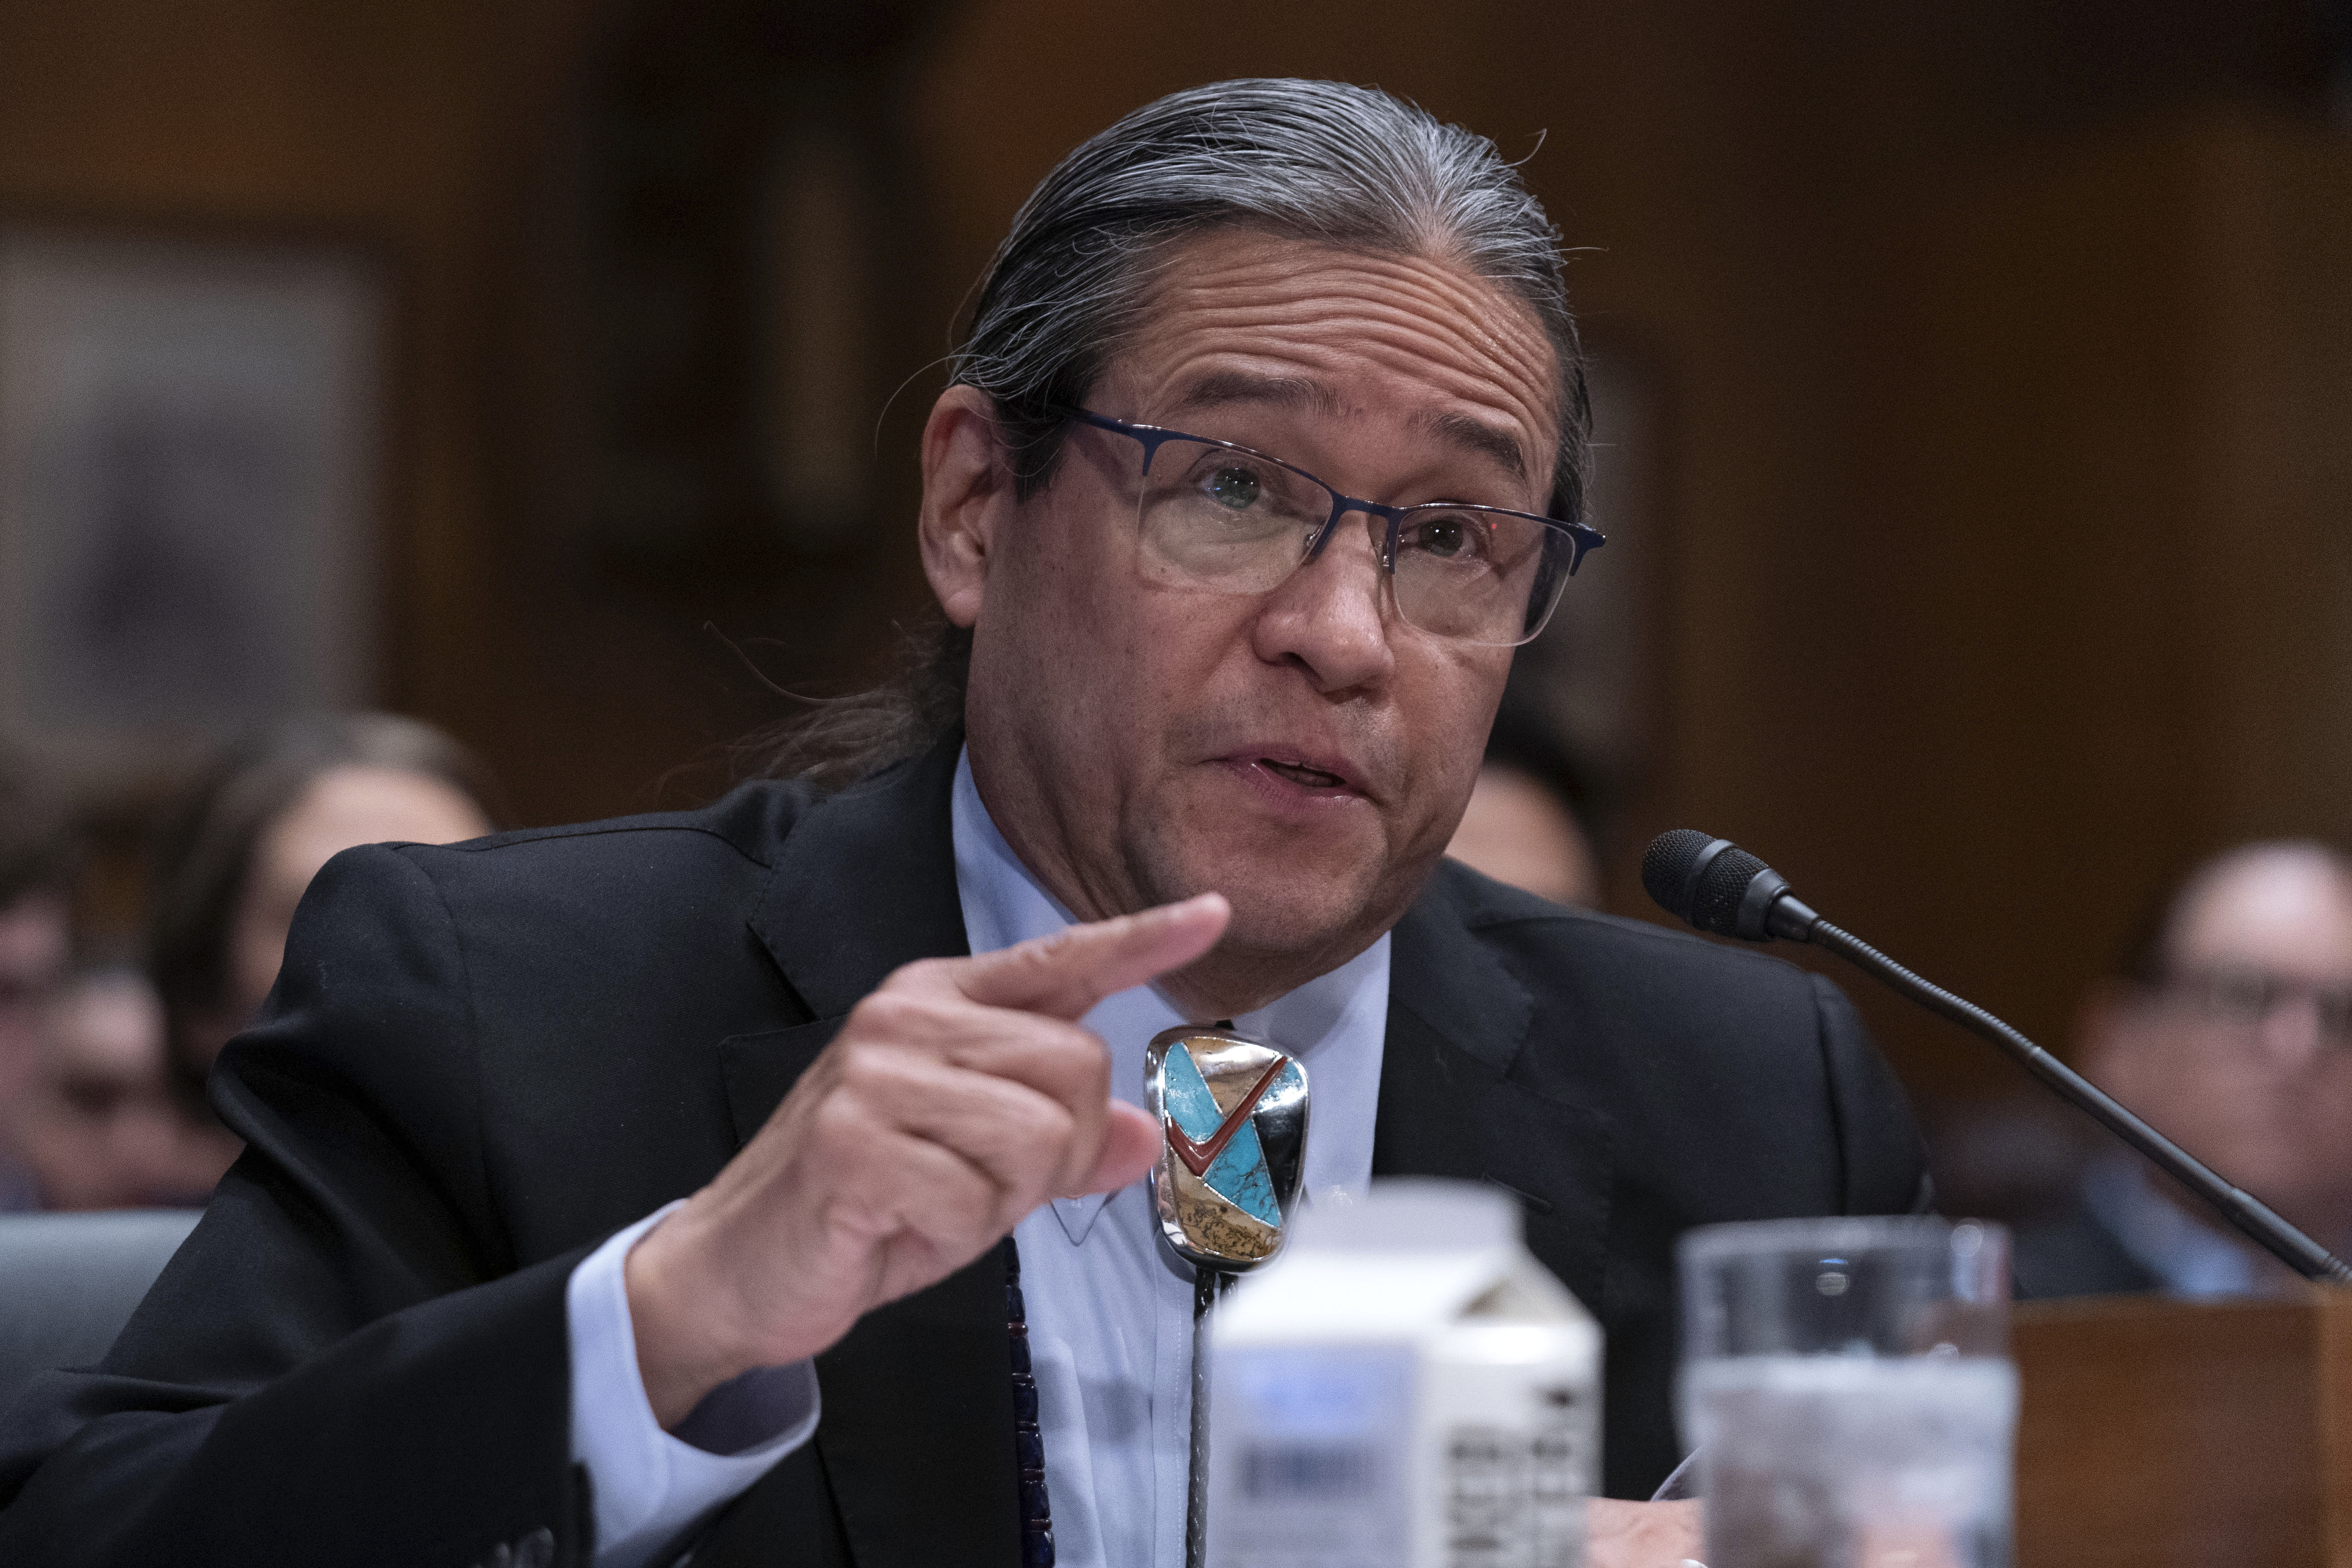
(2247, 997)
(1216, 517)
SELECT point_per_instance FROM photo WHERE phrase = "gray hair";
(1349, 167)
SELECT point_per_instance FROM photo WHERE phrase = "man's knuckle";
(1052, 1124)
(866, 1067)
(1075, 1056)
(877, 1011)
(923, 973)
(840, 1119)
(1048, 952)
(893, 1017)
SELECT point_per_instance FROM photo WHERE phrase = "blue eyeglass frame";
(1583, 538)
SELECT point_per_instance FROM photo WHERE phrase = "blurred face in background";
(1517, 831)
(2244, 1056)
(342, 807)
(1302, 751)
(97, 1127)
(35, 936)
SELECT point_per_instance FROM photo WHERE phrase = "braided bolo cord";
(1036, 1512)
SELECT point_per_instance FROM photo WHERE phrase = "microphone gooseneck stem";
(2280, 1240)
(1208, 1284)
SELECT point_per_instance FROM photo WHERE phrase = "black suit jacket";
(2073, 1253)
(481, 1060)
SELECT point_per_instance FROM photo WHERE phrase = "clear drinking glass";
(1848, 1387)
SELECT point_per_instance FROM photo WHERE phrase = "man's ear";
(967, 492)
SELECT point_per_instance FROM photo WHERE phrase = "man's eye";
(1236, 489)
(1447, 538)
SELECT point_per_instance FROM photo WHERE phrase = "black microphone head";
(1711, 882)
(1666, 867)
(1722, 888)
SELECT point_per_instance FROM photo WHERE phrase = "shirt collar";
(1335, 1023)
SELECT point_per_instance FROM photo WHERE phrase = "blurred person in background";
(1534, 814)
(96, 1125)
(234, 858)
(2230, 1032)
(37, 860)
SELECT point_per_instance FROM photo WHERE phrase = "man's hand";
(956, 1099)
(1642, 1535)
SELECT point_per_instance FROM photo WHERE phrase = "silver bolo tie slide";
(1232, 1141)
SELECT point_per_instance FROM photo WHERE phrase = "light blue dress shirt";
(1111, 1311)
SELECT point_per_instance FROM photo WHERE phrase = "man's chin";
(1308, 934)
(1282, 909)
(1298, 891)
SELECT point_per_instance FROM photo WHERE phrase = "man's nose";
(1332, 615)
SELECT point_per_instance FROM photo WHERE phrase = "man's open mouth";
(1301, 775)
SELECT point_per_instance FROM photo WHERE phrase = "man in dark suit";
(2228, 1025)
(617, 1188)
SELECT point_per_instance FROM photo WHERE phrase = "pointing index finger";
(1065, 974)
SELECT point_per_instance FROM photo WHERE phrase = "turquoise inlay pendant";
(1233, 1113)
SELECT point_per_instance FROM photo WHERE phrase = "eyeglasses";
(1216, 515)
(2245, 998)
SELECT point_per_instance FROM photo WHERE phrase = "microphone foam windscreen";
(1716, 905)
(1666, 867)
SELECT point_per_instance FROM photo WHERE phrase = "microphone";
(1722, 888)
(1719, 887)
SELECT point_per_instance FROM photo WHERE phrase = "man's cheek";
(1427, 834)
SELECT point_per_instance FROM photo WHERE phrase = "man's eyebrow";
(1464, 431)
(1300, 392)
(1282, 391)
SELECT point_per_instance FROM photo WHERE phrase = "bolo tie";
(1232, 1118)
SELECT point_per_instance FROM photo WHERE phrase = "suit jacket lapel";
(917, 1434)
(1450, 1104)
(866, 883)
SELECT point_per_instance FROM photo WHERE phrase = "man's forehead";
(2277, 905)
(1222, 388)
(1244, 318)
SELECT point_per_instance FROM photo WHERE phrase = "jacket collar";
(867, 883)
(1454, 1103)
(1440, 968)
(863, 884)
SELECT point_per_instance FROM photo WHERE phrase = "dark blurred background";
(1975, 384)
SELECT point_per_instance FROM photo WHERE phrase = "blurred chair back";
(68, 1281)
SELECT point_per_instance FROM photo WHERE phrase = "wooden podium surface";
(2159, 1433)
